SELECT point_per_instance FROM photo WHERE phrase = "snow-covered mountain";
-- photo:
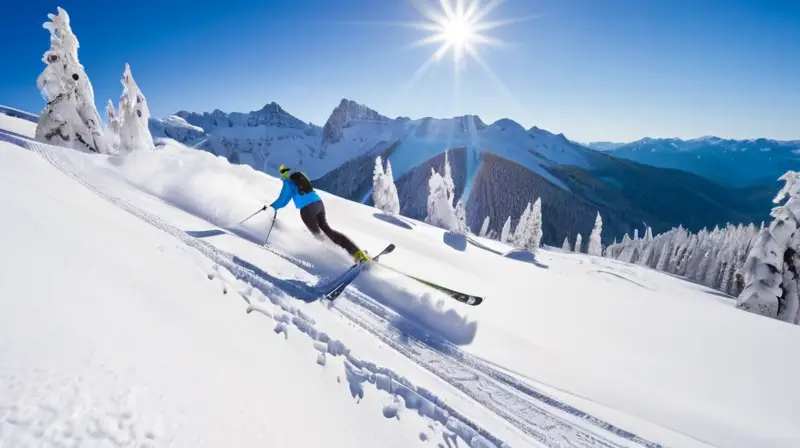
(736, 163)
(574, 181)
(263, 139)
(269, 137)
(604, 146)
(136, 312)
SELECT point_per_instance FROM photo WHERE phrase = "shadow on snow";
(526, 257)
(457, 241)
(393, 220)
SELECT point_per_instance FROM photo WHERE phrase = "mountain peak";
(507, 124)
(346, 112)
(271, 115)
(272, 108)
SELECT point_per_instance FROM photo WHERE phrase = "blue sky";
(595, 70)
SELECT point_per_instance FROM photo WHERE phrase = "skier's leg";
(309, 216)
(335, 236)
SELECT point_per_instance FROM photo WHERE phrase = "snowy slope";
(11, 122)
(144, 334)
(176, 128)
(117, 338)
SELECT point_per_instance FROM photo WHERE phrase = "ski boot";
(361, 257)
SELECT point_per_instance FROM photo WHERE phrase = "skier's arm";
(283, 198)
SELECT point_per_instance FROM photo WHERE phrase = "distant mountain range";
(735, 163)
(604, 146)
(498, 168)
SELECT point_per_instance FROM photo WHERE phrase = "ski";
(344, 280)
(468, 299)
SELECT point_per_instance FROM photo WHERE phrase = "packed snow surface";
(125, 282)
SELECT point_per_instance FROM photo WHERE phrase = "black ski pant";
(313, 216)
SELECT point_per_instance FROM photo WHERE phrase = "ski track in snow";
(535, 414)
(517, 403)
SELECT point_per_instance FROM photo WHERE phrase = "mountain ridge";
(339, 157)
(736, 163)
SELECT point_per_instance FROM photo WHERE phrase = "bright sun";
(457, 31)
(457, 25)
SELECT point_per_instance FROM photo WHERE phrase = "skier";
(297, 187)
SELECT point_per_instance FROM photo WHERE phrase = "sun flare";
(457, 31)
(457, 26)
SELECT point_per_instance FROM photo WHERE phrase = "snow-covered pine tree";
(111, 132)
(505, 234)
(378, 192)
(680, 238)
(595, 243)
(448, 179)
(647, 251)
(391, 190)
(384, 192)
(578, 240)
(729, 268)
(713, 268)
(770, 272)
(626, 249)
(610, 250)
(440, 209)
(461, 218)
(485, 227)
(565, 246)
(664, 254)
(536, 225)
(523, 230)
(698, 259)
(70, 118)
(690, 247)
(134, 133)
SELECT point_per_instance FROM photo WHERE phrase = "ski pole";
(254, 214)
(274, 218)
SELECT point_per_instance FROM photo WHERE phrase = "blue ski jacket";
(290, 192)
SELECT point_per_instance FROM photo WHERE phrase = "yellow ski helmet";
(284, 171)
